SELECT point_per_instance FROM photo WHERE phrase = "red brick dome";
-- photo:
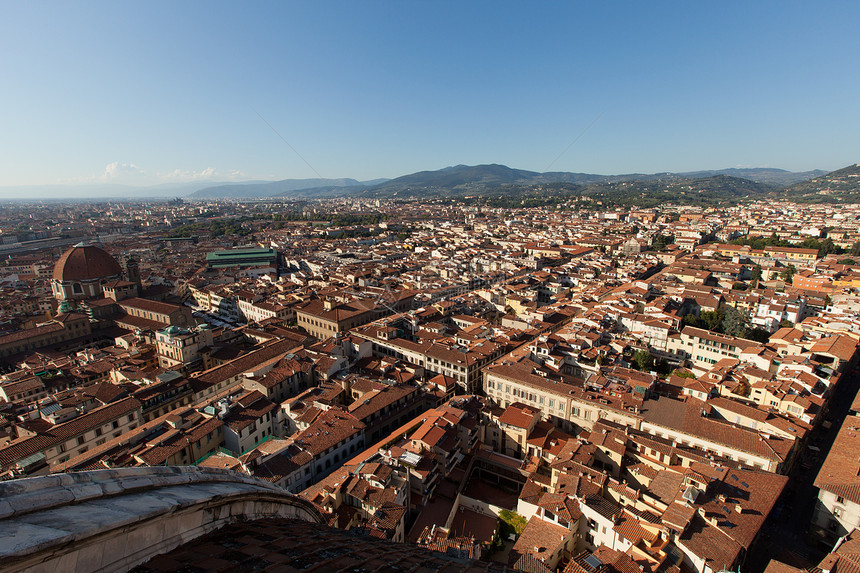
(85, 262)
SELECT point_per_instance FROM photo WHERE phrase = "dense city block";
(554, 387)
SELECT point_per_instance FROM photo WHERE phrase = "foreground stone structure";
(114, 520)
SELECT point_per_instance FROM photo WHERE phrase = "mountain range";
(493, 179)
(470, 179)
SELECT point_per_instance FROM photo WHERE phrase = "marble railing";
(113, 520)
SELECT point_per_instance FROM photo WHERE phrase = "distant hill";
(842, 185)
(453, 179)
(323, 192)
(270, 188)
(706, 191)
(779, 177)
(498, 180)
(465, 179)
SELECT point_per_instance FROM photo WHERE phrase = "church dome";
(85, 262)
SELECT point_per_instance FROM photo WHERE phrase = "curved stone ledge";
(26, 495)
(113, 520)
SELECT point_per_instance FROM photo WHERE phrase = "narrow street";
(785, 534)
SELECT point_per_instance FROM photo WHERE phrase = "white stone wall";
(124, 517)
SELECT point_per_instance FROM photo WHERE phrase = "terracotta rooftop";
(83, 262)
(839, 472)
(276, 545)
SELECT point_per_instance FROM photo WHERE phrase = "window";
(840, 499)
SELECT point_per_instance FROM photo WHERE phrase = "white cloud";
(208, 174)
(130, 174)
(117, 171)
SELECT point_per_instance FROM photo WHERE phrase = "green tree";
(643, 360)
(711, 319)
(756, 275)
(787, 273)
(757, 334)
(735, 322)
(691, 320)
(659, 242)
(827, 247)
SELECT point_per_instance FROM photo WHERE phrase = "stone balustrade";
(113, 520)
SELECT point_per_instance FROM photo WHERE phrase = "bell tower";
(132, 269)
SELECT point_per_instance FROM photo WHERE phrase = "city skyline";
(159, 93)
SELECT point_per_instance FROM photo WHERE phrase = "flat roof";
(240, 253)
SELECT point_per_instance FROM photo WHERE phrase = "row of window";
(516, 392)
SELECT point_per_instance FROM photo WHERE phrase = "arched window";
(76, 288)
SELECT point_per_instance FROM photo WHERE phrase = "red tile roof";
(85, 262)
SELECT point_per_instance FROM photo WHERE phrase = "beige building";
(704, 348)
(327, 317)
(561, 399)
(64, 330)
(509, 432)
(161, 312)
(460, 360)
(684, 423)
(33, 455)
(179, 438)
(184, 348)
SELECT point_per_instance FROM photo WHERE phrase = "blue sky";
(151, 92)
